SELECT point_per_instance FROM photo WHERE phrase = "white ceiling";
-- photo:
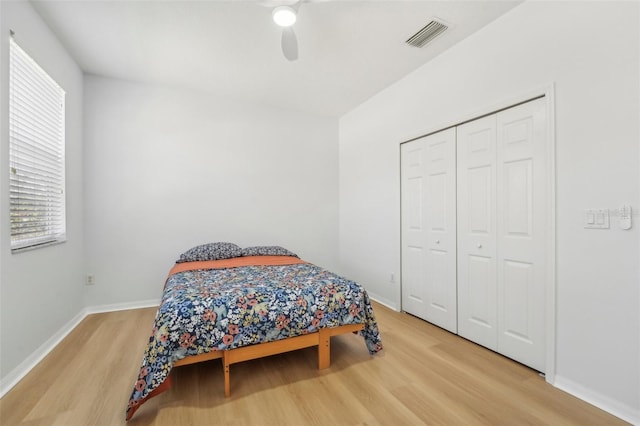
(349, 50)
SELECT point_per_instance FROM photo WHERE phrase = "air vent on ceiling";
(430, 31)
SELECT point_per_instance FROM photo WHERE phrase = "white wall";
(40, 290)
(166, 170)
(596, 75)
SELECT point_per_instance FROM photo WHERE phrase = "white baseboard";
(122, 306)
(18, 373)
(625, 412)
(383, 301)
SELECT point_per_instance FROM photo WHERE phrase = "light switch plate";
(596, 218)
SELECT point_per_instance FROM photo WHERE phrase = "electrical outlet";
(91, 279)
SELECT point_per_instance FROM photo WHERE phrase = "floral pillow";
(267, 251)
(211, 251)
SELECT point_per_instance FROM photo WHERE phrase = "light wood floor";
(424, 376)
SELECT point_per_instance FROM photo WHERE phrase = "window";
(36, 154)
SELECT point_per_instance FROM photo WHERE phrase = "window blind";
(36, 153)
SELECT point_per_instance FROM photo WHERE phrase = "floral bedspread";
(217, 309)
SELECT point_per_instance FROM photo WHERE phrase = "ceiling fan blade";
(289, 44)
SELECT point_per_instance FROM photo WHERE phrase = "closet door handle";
(479, 246)
(437, 241)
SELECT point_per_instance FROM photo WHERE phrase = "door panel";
(479, 203)
(441, 229)
(522, 232)
(438, 201)
(414, 209)
(517, 198)
(436, 236)
(413, 231)
(438, 291)
(413, 279)
(518, 278)
(480, 305)
(477, 231)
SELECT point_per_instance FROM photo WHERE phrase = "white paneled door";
(522, 232)
(502, 232)
(477, 310)
(429, 228)
(475, 225)
(414, 291)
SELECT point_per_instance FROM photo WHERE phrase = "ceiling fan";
(284, 14)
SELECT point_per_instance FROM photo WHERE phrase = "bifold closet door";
(477, 291)
(503, 230)
(428, 192)
(523, 232)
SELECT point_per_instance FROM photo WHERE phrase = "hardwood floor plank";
(424, 375)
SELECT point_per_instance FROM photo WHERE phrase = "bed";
(221, 301)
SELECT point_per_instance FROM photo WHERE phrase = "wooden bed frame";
(321, 338)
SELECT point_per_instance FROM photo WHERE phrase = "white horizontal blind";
(36, 153)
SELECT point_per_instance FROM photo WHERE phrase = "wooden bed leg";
(227, 381)
(324, 349)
